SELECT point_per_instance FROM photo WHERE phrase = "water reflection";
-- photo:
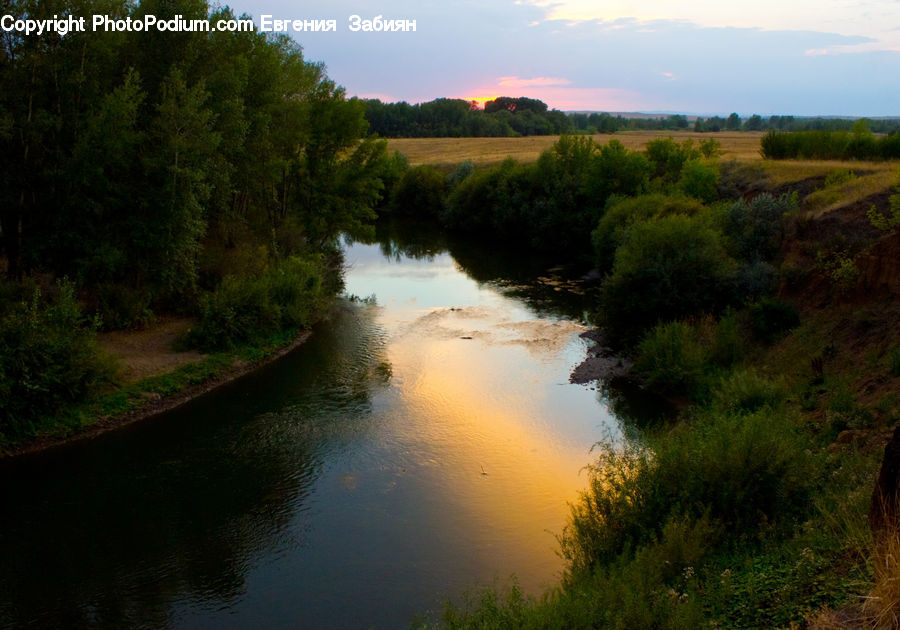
(114, 531)
(411, 450)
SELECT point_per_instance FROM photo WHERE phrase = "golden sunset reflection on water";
(490, 416)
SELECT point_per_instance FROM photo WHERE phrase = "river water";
(413, 450)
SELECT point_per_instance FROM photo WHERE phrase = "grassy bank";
(60, 383)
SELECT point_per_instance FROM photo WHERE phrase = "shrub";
(615, 170)
(621, 213)
(882, 222)
(671, 359)
(838, 177)
(123, 307)
(710, 148)
(699, 180)
(771, 318)
(420, 192)
(755, 279)
(49, 359)
(669, 157)
(727, 346)
(755, 229)
(287, 295)
(746, 391)
(739, 471)
(666, 269)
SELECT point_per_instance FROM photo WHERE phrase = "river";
(413, 450)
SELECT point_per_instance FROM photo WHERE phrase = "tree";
(667, 269)
(754, 123)
(734, 122)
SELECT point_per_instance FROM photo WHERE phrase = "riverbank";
(155, 380)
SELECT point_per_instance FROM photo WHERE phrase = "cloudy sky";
(804, 57)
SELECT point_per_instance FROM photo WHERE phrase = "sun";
(480, 100)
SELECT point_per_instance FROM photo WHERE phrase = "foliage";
(420, 193)
(289, 294)
(710, 148)
(838, 177)
(755, 229)
(48, 359)
(727, 345)
(122, 157)
(880, 221)
(666, 269)
(743, 472)
(447, 117)
(671, 359)
(552, 204)
(699, 180)
(747, 391)
(668, 157)
(622, 212)
(771, 318)
(858, 144)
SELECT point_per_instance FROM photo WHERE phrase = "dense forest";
(507, 117)
(204, 174)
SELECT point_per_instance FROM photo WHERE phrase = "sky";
(800, 57)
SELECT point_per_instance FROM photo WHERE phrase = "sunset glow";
(480, 100)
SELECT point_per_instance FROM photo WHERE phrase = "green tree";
(667, 269)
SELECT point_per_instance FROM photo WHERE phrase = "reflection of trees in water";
(512, 271)
(118, 531)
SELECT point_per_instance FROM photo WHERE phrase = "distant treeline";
(507, 116)
(859, 144)
(452, 118)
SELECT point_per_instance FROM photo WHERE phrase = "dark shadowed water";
(411, 450)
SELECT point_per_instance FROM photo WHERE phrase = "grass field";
(485, 151)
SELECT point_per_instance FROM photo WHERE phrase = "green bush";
(746, 391)
(123, 307)
(666, 269)
(710, 148)
(755, 229)
(287, 295)
(727, 345)
(668, 157)
(671, 359)
(700, 181)
(771, 318)
(858, 144)
(49, 359)
(420, 193)
(838, 177)
(622, 212)
(745, 473)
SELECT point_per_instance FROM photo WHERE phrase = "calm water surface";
(411, 450)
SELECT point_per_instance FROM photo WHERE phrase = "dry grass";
(881, 607)
(444, 152)
(885, 177)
